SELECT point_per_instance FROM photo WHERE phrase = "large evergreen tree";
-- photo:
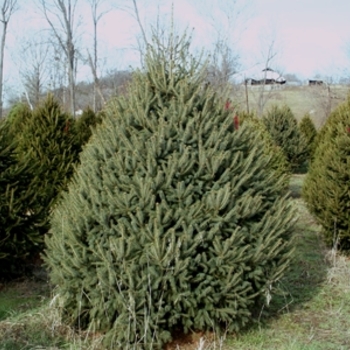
(326, 188)
(174, 219)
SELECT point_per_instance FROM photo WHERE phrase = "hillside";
(316, 100)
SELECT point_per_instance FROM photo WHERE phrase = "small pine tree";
(174, 219)
(326, 188)
(309, 132)
(283, 128)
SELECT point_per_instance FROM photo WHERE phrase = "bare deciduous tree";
(323, 97)
(225, 19)
(264, 91)
(58, 74)
(263, 95)
(133, 10)
(96, 17)
(137, 15)
(7, 9)
(158, 26)
(223, 65)
(60, 15)
(34, 69)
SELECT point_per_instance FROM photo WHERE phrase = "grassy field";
(312, 311)
(316, 100)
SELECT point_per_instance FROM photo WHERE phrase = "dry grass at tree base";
(312, 312)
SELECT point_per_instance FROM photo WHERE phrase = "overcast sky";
(314, 35)
(310, 37)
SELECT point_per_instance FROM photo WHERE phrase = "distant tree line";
(51, 60)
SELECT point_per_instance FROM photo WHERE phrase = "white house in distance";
(266, 77)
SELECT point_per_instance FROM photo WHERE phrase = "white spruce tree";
(174, 219)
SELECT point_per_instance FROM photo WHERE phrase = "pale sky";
(313, 35)
(309, 36)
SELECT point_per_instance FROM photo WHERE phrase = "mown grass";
(311, 312)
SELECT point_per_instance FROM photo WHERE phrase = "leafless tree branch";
(7, 9)
(64, 12)
(96, 17)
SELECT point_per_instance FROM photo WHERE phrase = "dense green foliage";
(338, 117)
(309, 132)
(17, 118)
(326, 188)
(283, 128)
(49, 139)
(18, 235)
(279, 161)
(86, 123)
(174, 219)
(38, 153)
